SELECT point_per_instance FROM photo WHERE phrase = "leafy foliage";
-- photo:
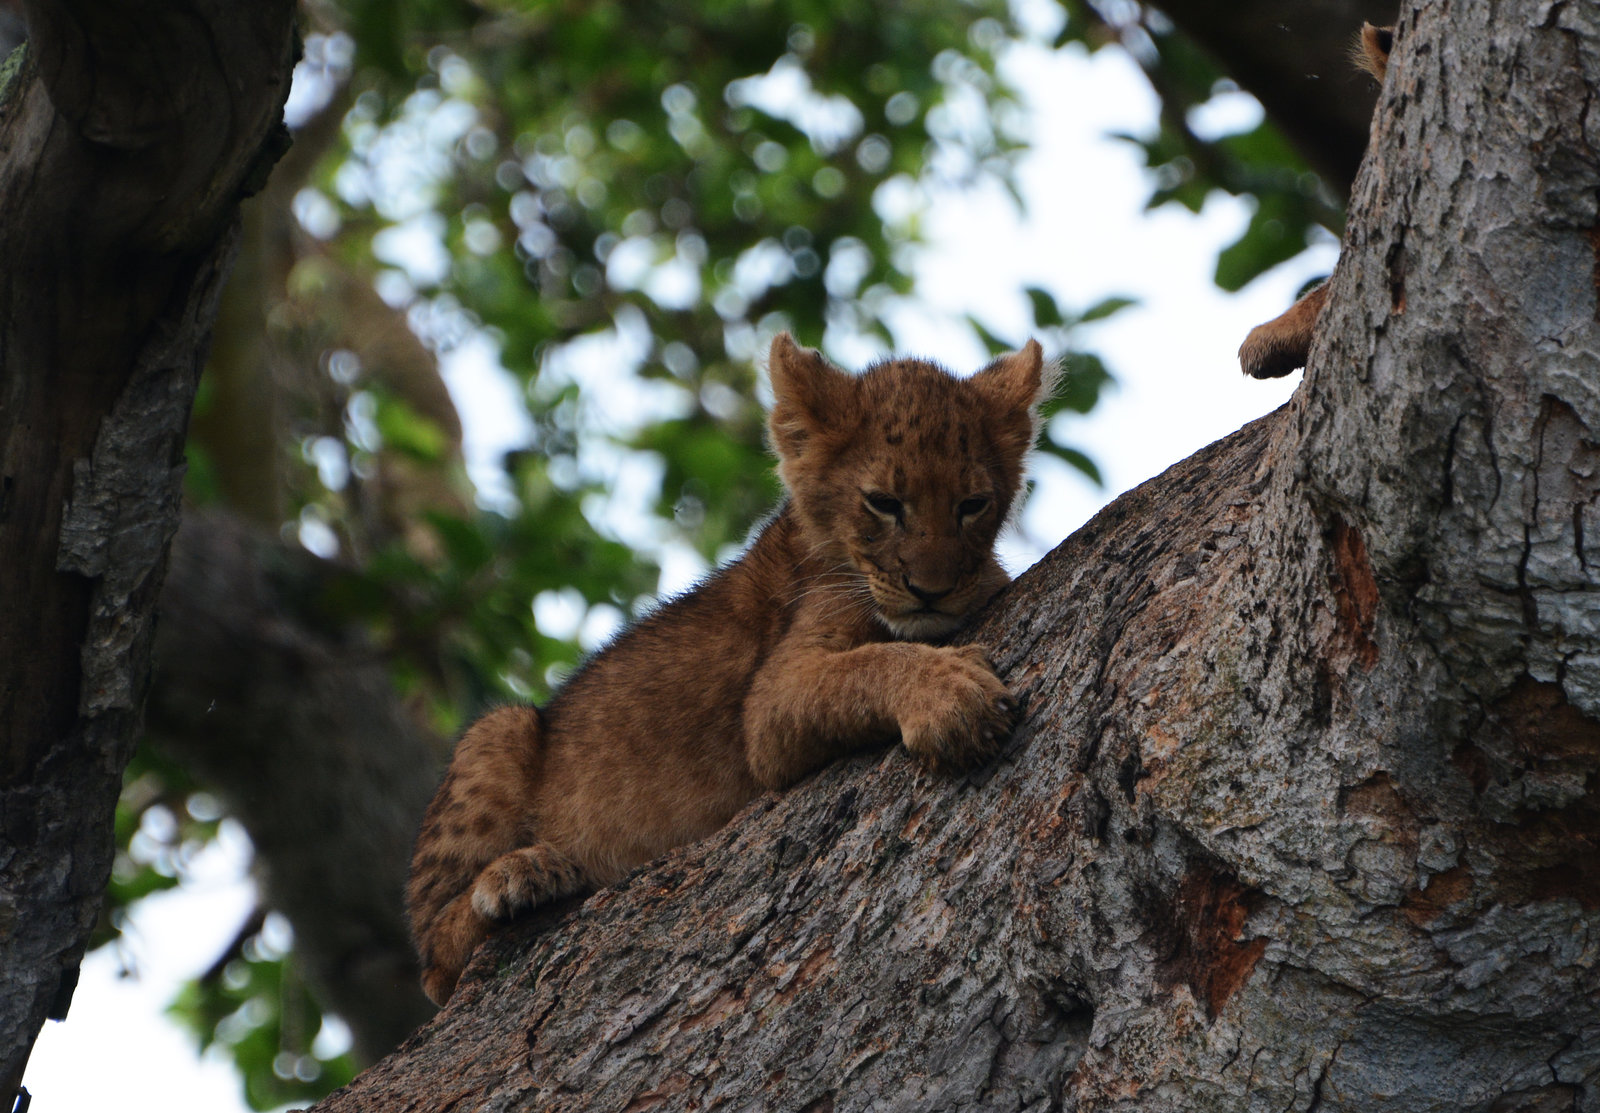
(163, 820)
(1292, 205)
(253, 1004)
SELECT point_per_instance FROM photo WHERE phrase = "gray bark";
(1305, 808)
(129, 132)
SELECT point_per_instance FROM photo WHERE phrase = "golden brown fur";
(1282, 344)
(802, 650)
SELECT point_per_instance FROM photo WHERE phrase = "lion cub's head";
(904, 474)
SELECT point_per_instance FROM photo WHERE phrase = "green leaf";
(1046, 312)
(1274, 235)
(994, 344)
(1082, 379)
(407, 431)
(1077, 459)
(1106, 307)
(466, 546)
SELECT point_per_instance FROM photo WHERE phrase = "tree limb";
(295, 723)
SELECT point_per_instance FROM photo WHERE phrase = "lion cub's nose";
(924, 595)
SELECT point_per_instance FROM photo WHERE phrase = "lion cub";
(807, 647)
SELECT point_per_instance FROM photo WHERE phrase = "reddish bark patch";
(719, 1008)
(1554, 855)
(1531, 729)
(1208, 916)
(1578, 878)
(672, 1086)
(1550, 853)
(792, 979)
(1423, 906)
(1355, 592)
(1544, 725)
(914, 822)
(1378, 798)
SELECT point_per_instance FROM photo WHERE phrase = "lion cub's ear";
(1017, 383)
(1371, 50)
(809, 395)
(1019, 380)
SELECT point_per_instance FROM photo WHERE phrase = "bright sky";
(1179, 388)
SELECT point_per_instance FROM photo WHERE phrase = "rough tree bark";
(1304, 813)
(129, 132)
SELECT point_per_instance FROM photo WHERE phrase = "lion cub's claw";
(966, 717)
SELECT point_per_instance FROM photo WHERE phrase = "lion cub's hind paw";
(521, 880)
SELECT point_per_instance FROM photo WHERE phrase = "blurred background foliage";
(617, 205)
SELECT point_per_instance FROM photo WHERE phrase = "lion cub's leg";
(810, 704)
(451, 937)
(523, 879)
(477, 861)
(1282, 344)
(960, 713)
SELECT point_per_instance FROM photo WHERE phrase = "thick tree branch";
(1305, 809)
(130, 132)
(295, 722)
(881, 931)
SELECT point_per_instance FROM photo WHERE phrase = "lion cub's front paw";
(964, 714)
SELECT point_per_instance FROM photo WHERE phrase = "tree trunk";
(1304, 813)
(130, 131)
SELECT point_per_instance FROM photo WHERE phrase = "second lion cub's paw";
(964, 714)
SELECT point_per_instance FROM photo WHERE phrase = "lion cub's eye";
(972, 507)
(887, 505)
